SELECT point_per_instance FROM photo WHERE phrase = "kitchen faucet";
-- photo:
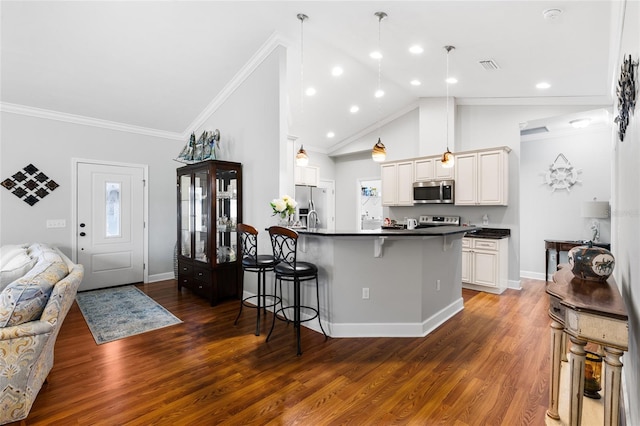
(312, 220)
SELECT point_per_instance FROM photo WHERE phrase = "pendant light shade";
(302, 159)
(379, 152)
(448, 158)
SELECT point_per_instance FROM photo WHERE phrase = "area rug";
(119, 312)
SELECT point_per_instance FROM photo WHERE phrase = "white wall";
(50, 145)
(548, 214)
(626, 224)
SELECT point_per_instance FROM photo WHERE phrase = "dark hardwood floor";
(488, 365)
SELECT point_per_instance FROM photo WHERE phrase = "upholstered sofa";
(37, 288)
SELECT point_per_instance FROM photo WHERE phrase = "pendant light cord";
(447, 83)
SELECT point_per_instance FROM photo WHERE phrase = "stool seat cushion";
(303, 269)
(262, 261)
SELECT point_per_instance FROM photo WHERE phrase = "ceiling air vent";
(489, 65)
(534, 131)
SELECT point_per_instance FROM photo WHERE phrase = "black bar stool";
(285, 247)
(254, 262)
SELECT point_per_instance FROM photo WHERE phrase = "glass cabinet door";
(201, 215)
(185, 215)
(227, 211)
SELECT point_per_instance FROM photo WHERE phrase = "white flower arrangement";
(284, 206)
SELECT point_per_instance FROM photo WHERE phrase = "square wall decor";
(30, 184)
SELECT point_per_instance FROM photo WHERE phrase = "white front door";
(110, 224)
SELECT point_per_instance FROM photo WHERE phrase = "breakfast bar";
(394, 283)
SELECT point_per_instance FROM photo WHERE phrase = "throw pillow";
(24, 299)
(16, 267)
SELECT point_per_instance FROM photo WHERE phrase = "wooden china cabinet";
(209, 209)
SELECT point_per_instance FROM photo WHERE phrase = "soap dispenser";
(485, 220)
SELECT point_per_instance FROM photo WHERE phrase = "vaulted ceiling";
(159, 64)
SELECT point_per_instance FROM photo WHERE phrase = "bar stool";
(285, 245)
(254, 262)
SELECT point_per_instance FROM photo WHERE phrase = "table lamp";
(595, 210)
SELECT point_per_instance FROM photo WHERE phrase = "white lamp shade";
(595, 209)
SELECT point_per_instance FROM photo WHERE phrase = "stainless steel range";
(431, 221)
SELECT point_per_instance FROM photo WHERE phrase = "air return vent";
(534, 131)
(489, 65)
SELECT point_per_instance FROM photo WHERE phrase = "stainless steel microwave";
(433, 192)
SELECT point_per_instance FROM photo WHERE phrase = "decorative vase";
(591, 263)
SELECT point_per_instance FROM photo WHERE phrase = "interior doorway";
(370, 205)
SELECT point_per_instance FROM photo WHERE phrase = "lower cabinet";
(214, 284)
(485, 264)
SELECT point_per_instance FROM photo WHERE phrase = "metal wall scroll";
(561, 174)
(626, 95)
(30, 184)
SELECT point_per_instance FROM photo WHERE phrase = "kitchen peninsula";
(394, 283)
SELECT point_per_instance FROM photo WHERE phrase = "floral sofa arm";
(28, 329)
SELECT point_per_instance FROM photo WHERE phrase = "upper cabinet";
(430, 168)
(482, 177)
(307, 175)
(397, 183)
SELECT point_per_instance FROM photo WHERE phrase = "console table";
(587, 311)
(563, 245)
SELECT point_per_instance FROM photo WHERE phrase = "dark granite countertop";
(489, 233)
(435, 231)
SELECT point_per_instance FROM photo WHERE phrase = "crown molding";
(541, 100)
(86, 121)
(274, 41)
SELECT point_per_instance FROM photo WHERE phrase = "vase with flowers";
(285, 207)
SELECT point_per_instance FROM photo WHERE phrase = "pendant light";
(302, 159)
(379, 152)
(447, 157)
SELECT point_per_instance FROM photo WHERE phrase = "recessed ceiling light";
(416, 50)
(331, 135)
(379, 93)
(415, 82)
(375, 55)
(354, 109)
(543, 85)
(580, 123)
(310, 91)
(336, 71)
(551, 13)
(451, 80)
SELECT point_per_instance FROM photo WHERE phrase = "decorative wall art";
(561, 174)
(207, 147)
(626, 95)
(30, 184)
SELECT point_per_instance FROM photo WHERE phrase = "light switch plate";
(56, 223)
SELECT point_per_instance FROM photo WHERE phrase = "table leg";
(612, 378)
(577, 380)
(554, 382)
(546, 263)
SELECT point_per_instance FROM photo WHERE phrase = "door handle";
(82, 234)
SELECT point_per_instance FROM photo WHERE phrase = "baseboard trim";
(381, 329)
(532, 275)
(161, 277)
(514, 284)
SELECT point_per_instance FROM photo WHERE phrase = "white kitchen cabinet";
(397, 183)
(430, 168)
(307, 175)
(482, 177)
(485, 264)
